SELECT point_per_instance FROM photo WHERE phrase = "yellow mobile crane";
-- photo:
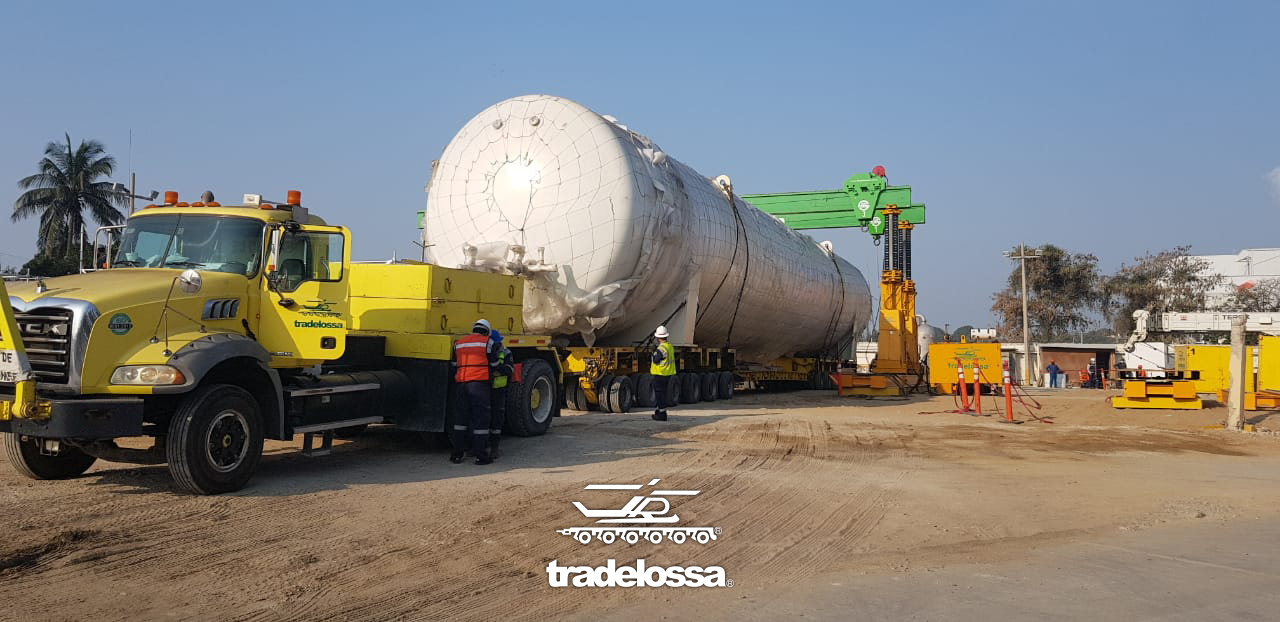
(867, 201)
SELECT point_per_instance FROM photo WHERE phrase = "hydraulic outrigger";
(868, 202)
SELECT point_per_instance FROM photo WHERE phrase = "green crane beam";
(858, 204)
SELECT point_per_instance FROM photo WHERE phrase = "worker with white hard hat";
(663, 369)
(474, 357)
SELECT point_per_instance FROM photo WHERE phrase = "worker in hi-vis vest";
(501, 376)
(663, 370)
(474, 358)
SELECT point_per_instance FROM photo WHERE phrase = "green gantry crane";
(868, 202)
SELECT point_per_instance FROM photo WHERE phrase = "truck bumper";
(81, 418)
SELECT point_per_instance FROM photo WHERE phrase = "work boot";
(660, 416)
(484, 461)
(455, 458)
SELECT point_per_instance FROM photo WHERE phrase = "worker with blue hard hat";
(502, 373)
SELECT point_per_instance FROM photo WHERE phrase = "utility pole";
(1022, 256)
(1239, 363)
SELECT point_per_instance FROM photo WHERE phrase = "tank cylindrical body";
(636, 238)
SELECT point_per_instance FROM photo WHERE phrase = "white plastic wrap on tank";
(632, 235)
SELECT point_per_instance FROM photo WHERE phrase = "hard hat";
(661, 333)
(495, 336)
(481, 323)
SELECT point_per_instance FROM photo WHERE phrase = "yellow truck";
(215, 327)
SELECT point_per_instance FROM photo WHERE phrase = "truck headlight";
(147, 375)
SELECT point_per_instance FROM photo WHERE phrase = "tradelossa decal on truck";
(120, 324)
(321, 308)
(315, 324)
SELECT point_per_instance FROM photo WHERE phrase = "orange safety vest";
(472, 356)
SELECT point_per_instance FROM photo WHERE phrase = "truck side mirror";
(273, 283)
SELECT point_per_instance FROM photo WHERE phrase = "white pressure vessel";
(619, 238)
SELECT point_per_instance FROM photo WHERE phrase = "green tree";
(1170, 280)
(69, 182)
(1063, 292)
(1255, 297)
(52, 265)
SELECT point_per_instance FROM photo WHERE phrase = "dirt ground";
(801, 484)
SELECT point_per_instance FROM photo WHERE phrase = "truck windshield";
(220, 243)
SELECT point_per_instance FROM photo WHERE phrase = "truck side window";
(309, 256)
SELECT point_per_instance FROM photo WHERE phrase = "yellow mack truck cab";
(215, 327)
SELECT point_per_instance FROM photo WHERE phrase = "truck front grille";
(46, 333)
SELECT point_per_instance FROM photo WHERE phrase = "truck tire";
(24, 454)
(645, 397)
(727, 383)
(574, 397)
(690, 389)
(710, 386)
(532, 402)
(215, 440)
(621, 394)
(602, 393)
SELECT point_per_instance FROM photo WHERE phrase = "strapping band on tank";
(746, 270)
(738, 225)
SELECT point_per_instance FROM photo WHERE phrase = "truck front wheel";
(531, 402)
(215, 440)
(24, 454)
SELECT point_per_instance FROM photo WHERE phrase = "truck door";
(305, 313)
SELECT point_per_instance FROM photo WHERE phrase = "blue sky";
(1112, 127)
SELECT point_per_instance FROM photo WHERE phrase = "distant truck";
(216, 327)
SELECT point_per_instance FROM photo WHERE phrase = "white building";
(1248, 266)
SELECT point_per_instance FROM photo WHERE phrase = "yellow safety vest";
(500, 382)
(668, 365)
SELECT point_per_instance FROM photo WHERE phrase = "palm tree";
(69, 183)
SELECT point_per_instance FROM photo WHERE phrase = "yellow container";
(942, 364)
(419, 307)
(1213, 362)
(1269, 363)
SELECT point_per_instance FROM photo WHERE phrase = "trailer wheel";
(215, 440)
(602, 393)
(532, 401)
(727, 381)
(24, 454)
(574, 397)
(621, 393)
(645, 396)
(709, 386)
(690, 389)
